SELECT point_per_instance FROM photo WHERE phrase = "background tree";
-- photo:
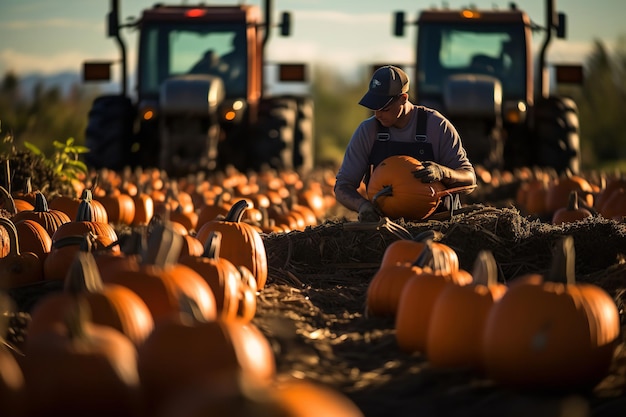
(601, 105)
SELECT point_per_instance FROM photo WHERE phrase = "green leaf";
(79, 165)
(77, 149)
(34, 149)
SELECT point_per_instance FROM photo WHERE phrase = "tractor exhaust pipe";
(552, 22)
(113, 27)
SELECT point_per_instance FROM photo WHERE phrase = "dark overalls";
(421, 149)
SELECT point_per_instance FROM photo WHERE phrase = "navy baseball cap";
(386, 83)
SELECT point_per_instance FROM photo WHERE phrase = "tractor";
(478, 69)
(201, 101)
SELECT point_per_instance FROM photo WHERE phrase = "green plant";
(64, 161)
(52, 175)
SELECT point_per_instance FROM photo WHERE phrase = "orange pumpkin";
(565, 341)
(457, 323)
(407, 250)
(71, 205)
(160, 280)
(120, 207)
(90, 370)
(144, 209)
(247, 294)
(393, 188)
(12, 384)
(221, 275)
(613, 184)
(386, 287)
(200, 352)
(67, 238)
(7, 202)
(18, 268)
(559, 191)
(110, 304)
(615, 205)
(572, 212)
(285, 397)
(49, 219)
(416, 302)
(241, 243)
(33, 238)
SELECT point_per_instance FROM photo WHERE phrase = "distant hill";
(64, 81)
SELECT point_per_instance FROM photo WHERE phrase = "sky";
(47, 37)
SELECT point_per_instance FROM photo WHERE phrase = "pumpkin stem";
(212, 245)
(83, 275)
(135, 243)
(7, 308)
(563, 268)
(14, 244)
(394, 228)
(189, 308)
(572, 204)
(236, 211)
(387, 190)
(74, 240)
(429, 234)
(425, 255)
(28, 186)
(76, 316)
(163, 246)
(485, 271)
(41, 204)
(438, 261)
(7, 175)
(6, 201)
(94, 183)
(86, 195)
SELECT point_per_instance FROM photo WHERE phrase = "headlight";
(515, 112)
(232, 111)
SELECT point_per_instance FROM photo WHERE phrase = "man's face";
(389, 114)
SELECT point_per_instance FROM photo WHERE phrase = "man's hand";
(431, 172)
(368, 212)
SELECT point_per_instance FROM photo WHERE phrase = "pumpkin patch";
(293, 292)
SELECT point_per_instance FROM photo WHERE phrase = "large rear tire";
(273, 145)
(304, 143)
(109, 132)
(558, 133)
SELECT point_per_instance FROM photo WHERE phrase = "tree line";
(50, 116)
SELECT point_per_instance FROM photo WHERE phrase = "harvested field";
(312, 311)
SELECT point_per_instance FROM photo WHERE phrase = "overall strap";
(420, 126)
(383, 132)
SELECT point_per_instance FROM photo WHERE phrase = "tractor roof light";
(195, 13)
(470, 14)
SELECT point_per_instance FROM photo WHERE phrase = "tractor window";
(462, 49)
(446, 49)
(176, 49)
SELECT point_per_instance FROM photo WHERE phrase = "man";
(399, 127)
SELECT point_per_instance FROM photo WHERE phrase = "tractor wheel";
(558, 134)
(109, 132)
(304, 145)
(274, 143)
